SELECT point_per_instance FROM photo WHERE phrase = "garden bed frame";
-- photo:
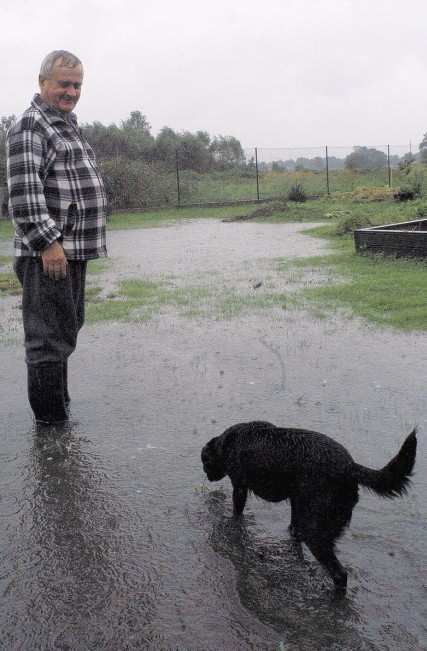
(407, 239)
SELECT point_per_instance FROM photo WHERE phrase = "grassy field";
(201, 188)
(383, 290)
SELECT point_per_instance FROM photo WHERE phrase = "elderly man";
(57, 203)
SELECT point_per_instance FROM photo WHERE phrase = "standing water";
(111, 538)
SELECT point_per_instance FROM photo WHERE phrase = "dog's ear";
(218, 447)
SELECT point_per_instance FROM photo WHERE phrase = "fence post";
(327, 171)
(256, 168)
(177, 176)
(389, 166)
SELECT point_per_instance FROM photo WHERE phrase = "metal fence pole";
(389, 166)
(177, 176)
(256, 169)
(327, 171)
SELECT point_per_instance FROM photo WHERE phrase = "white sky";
(272, 73)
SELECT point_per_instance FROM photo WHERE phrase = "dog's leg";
(240, 495)
(294, 526)
(320, 523)
(325, 554)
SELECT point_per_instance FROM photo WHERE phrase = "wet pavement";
(111, 539)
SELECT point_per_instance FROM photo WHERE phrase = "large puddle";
(111, 539)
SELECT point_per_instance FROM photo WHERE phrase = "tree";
(165, 145)
(5, 123)
(364, 159)
(137, 121)
(227, 151)
(423, 149)
(107, 142)
(193, 151)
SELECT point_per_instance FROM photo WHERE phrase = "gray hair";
(67, 60)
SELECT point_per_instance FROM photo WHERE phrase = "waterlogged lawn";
(151, 219)
(140, 300)
(380, 289)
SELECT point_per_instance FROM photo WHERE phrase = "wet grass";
(142, 299)
(9, 284)
(159, 218)
(381, 289)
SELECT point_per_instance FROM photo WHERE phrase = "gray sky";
(272, 73)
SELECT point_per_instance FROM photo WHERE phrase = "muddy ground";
(110, 537)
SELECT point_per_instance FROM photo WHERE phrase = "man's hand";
(54, 262)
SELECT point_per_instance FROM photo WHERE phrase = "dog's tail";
(393, 479)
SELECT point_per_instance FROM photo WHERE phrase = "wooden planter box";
(404, 239)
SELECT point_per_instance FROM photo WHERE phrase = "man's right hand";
(54, 262)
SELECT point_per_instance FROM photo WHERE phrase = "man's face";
(62, 90)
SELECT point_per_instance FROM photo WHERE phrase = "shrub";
(408, 192)
(136, 184)
(297, 193)
(362, 195)
(352, 223)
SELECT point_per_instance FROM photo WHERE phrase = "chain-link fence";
(272, 173)
(197, 174)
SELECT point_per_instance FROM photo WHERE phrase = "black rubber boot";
(46, 393)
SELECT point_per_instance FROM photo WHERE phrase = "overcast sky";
(272, 73)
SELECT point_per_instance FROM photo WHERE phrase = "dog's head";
(212, 459)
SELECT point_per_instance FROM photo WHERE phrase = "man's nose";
(72, 92)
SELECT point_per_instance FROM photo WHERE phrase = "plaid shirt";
(55, 190)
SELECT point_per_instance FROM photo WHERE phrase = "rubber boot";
(46, 393)
(67, 398)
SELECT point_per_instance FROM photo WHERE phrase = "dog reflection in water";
(313, 471)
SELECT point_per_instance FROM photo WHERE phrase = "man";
(57, 203)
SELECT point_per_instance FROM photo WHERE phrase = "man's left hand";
(54, 262)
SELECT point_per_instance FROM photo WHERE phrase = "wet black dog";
(315, 472)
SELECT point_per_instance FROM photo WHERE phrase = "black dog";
(315, 472)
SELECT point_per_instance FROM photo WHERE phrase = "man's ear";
(41, 81)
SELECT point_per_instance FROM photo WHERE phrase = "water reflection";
(74, 534)
(73, 575)
(282, 588)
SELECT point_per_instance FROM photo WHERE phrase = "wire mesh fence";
(198, 173)
(266, 173)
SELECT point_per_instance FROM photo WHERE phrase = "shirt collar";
(50, 112)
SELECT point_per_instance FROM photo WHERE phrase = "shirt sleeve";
(27, 203)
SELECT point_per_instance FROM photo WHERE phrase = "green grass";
(142, 299)
(158, 218)
(380, 289)
(228, 186)
(6, 229)
(9, 284)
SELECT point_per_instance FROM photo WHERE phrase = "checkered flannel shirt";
(55, 190)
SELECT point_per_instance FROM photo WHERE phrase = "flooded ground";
(110, 537)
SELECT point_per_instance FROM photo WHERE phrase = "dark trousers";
(52, 314)
(52, 310)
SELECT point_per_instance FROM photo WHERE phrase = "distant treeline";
(140, 170)
(133, 141)
(362, 159)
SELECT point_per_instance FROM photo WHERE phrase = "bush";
(408, 192)
(297, 193)
(352, 223)
(136, 184)
(415, 185)
(4, 201)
